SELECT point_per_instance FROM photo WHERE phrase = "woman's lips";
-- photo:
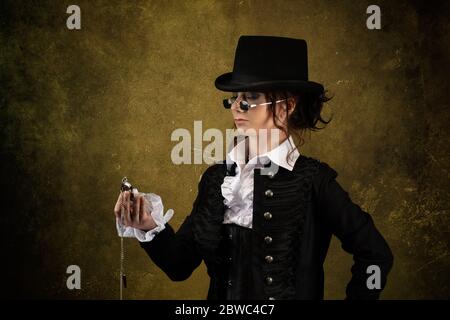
(240, 120)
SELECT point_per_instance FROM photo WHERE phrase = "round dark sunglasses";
(244, 105)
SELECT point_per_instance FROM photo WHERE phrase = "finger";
(129, 205)
(122, 199)
(127, 208)
(138, 208)
(131, 201)
(132, 206)
(117, 206)
(122, 208)
(143, 209)
(122, 213)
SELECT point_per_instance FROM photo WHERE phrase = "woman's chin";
(243, 125)
(242, 128)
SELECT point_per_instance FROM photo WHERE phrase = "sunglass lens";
(244, 105)
(227, 103)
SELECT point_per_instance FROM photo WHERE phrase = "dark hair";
(305, 116)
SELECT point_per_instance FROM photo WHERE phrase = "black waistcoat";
(266, 257)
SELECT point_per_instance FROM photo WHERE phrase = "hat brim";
(224, 82)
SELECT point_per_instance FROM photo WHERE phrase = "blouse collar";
(276, 155)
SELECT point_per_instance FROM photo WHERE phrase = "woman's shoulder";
(318, 168)
(321, 172)
(215, 171)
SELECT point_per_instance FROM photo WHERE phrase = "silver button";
(267, 215)
(269, 193)
(230, 283)
(269, 280)
(230, 236)
(271, 298)
(268, 239)
(270, 174)
(229, 258)
(269, 259)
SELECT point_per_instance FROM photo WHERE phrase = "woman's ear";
(291, 103)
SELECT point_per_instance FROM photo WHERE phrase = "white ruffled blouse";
(237, 190)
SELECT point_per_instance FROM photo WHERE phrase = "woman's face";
(259, 117)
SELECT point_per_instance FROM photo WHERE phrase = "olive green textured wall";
(82, 108)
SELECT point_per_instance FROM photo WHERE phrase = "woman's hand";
(137, 213)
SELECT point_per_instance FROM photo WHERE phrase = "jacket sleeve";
(173, 252)
(356, 230)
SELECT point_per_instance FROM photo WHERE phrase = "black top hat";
(263, 63)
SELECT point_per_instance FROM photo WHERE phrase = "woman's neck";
(262, 144)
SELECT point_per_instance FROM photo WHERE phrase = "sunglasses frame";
(244, 105)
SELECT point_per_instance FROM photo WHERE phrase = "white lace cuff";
(160, 219)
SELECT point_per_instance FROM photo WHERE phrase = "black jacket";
(295, 213)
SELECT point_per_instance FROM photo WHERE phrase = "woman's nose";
(236, 105)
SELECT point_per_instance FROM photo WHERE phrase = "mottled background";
(81, 109)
